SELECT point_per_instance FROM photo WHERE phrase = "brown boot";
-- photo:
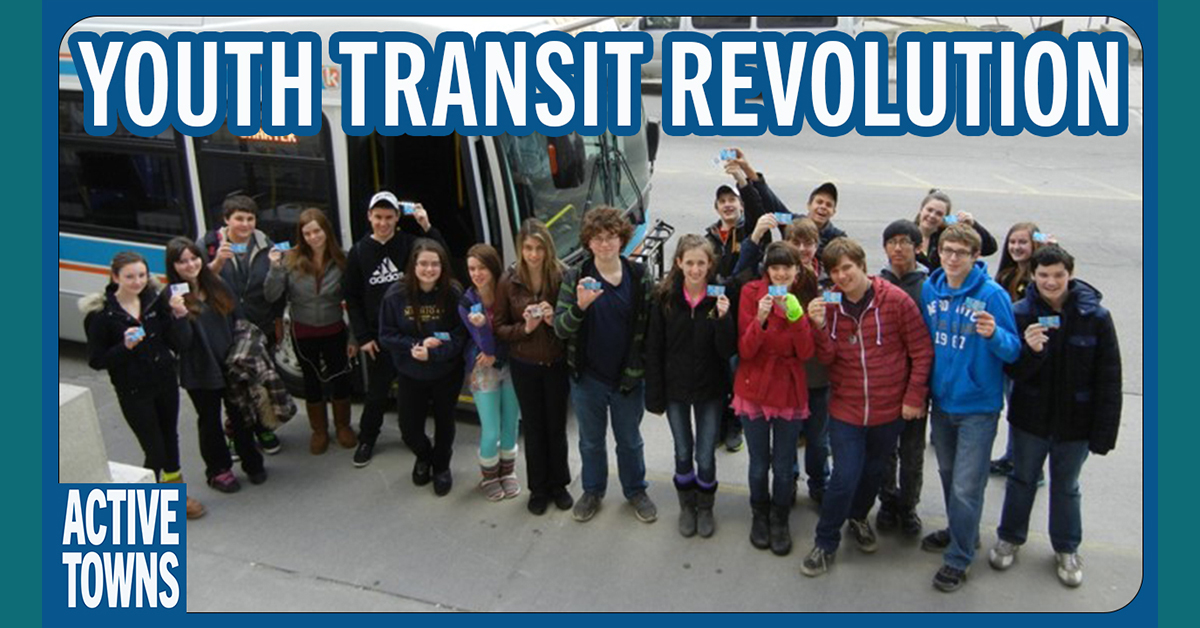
(341, 421)
(195, 509)
(320, 427)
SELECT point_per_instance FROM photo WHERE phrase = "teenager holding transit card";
(974, 335)
(692, 336)
(770, 390)
(602, 313)
(132, 329)
(524, 320)
(1066, 402)
(877, 348)
(421, 331)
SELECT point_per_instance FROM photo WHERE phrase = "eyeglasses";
(898, 242)
(948, 252)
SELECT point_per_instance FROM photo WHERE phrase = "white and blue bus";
(125, 192)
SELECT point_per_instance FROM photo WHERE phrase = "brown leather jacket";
(512, 297)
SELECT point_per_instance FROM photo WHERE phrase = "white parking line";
(1026, 188)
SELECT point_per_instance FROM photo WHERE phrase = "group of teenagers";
(788, 334)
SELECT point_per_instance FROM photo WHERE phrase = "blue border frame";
(57, 16)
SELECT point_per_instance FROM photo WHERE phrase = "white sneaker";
(1070, 568)
(1003, 555)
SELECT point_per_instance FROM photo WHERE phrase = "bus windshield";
(557, 179)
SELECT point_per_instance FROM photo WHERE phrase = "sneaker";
(224, 482)
(816, 563)
(422, 473)
(1001, 466)
(442, 482)
(733, 441)
(538, 502)
(268, 442)
(563, 499)
(940, 540)
(362, 455)
(259, 477)
(233, 454)
(910, 522)
(949, 579)
(586, 507)
(1070, 568)
(1003, 555)
(863, 535)
(643, 508)
(887, 519)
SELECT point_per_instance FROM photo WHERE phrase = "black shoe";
(442, 482)
(258, 478)
(939, 541)
(1001, 466)
(362, 455)
(910, 523)
(563, 499)
(949, 579)
(780, 534)
(760, 528)
(422, 473)
(538, 503)
(886, 519)
(936, 541)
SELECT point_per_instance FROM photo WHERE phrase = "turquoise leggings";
(498, 416)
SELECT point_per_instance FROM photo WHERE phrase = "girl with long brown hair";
(212, 310)
(524, 314)
(310, 274)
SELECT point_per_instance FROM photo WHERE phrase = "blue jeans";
(594, 401)
(963, 443)
(701, 446)
(771, 444)
(1066, 461)
(816, 433)
(861, 454)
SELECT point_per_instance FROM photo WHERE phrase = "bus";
(126, 192)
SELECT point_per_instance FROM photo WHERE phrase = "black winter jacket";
(1072, 389)
(403, 325)
(688, 351)
(150, 364)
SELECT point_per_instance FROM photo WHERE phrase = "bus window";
(797, 21)
(722, 22)
(555, 193)
(284, 175)
(636, 156)
(122, 185)
(660, 23)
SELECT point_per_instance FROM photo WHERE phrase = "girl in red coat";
(770, 390)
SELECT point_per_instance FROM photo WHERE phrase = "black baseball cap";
(825, 188)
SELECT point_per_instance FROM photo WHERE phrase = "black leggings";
(212, 437)
(416, 397)
(153, 415)
(332, 351)
(542, 393)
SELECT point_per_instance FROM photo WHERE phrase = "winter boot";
(194, 508)
(490, 484)
(320, 427)
(759, 527)
(705, 524)
(508, 475)
(781, 536)
(687, 508)
(341, 421)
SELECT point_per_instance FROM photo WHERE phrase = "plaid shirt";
(247, 366)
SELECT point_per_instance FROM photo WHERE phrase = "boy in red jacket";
(878, 351)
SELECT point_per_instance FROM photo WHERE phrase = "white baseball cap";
(384, 197)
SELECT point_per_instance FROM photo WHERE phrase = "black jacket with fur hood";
(151, 363)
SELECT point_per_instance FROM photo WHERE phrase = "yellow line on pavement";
(923, 183)
(824, 175)
(1024, 187)
(1106, 186)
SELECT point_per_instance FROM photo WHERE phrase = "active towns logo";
(123, 546)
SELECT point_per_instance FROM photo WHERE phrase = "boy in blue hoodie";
(974, 335)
